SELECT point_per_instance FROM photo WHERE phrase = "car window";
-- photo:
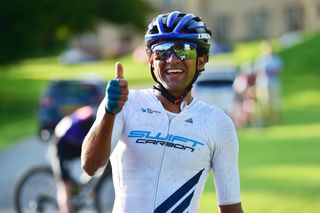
(65, 89)
(215, 83)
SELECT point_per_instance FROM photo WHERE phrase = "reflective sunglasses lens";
(186, 52)
(182, 50)
(163, 51)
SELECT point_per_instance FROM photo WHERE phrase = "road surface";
(13, 162)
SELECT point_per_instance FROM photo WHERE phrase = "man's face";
(174, 65)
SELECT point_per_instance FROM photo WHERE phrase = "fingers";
(119, 70)
(116, 91)
(119, 75)
(123, 83)
(119, 83)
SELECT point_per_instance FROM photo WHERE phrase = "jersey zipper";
(160, 168)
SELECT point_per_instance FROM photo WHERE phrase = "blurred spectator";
(244, 87)
(267, 67)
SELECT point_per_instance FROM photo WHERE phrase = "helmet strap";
(165, 93)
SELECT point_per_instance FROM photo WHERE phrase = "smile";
(174, 71)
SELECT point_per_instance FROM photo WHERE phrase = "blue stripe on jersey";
(184, 204)
(177, 195)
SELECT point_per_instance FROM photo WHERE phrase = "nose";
(173, 58)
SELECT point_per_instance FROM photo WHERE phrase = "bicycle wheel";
(105, 193)
(35, 191)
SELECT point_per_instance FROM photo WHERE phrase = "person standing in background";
(267, 67)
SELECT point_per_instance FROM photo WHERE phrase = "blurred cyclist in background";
(162, 142)
(66, 145)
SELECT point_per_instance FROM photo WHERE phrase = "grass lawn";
(279, 165)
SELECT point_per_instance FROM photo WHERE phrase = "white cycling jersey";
(161, 166)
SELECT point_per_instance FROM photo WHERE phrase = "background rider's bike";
(35, 192)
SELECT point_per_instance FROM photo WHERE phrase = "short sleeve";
(225, 162)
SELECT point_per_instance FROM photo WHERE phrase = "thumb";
(119, 70)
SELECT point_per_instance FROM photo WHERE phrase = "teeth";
(174, 71)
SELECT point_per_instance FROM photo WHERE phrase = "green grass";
(279, 165)
(279, 169)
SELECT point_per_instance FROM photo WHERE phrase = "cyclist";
(162, 142)
(66, 143)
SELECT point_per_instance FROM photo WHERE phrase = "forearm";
(234, 208)
(97, 144)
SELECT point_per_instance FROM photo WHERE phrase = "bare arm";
(97, 144)
(234, 208)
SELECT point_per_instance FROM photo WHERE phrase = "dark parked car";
(64, 96)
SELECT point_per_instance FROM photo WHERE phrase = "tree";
(30, 27)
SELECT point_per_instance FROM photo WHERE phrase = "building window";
(257, 24)
(221, 30)
(294, 17)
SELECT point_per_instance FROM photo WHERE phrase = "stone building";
(238, 20)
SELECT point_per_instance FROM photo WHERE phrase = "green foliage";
(125, 10)
(30, 28)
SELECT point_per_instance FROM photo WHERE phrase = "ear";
(202, 60)
(150, 62)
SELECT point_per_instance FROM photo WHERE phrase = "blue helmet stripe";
(171, 18)
(159, 24)
(177, 195)
(171, 36)
(196, 25)
(183, 21)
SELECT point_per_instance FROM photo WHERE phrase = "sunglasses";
(183, 50)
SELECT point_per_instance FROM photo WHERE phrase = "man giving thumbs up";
(162, 142)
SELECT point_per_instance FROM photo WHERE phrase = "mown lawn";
(279, 168)
(279, 165)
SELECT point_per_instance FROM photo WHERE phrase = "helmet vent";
(184, 20)
(171, 18)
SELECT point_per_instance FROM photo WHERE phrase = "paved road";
(13, 162)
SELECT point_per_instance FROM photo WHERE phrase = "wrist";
(108, 112)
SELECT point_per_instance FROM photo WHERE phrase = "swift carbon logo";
(169, 140)
(148, 110)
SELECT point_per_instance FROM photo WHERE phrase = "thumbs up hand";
(116, 92)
